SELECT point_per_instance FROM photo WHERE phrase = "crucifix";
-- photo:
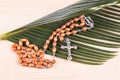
(68, 47)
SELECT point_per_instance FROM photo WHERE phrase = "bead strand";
(31, 56)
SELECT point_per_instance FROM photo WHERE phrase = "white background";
(16, 13)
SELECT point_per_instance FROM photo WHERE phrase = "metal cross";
(68, 47)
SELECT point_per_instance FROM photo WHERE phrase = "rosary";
(31, 56)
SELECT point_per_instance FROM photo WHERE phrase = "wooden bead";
(38, 66)
(31, 46)
(49, 65)
(24, 64)
(35, 59)
(20, 61)
(25, 56)
(58, 30)
(28, 61)
(82, 24)
(76, 25)
(45, 46)
(63, 27)
(51, 37)
(41, 60)
(27, 43)
(28, 49)
(62, 35)
(31, 65)
(47, 41)
(44, 64)
(20, 43)
(82, 16)
(47, 61)
(68, 33)
(68, 23)
(20, 56)
(29, 55)
(84, 28)
(61, 38)
(53, 61)
(41, 55)
(62, 31)
(23, 51)
(72, 26)
(33, 55)
(18, 47)
(36, 48)
(67, 29)
(24, 40)
(38, 54)
(55, 39)
(76, 19)
(54, 33)
(71, 21)
(54, 49)
(54, 43)
(74, 32)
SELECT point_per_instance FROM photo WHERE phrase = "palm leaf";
(94, 46)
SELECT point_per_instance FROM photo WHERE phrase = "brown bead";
(51, 37)
(72, 26)
(68, 33)
(24, 40)
(41, 55)
(18, 47)
(24, 64)
(25, 56)
(58, 30)
(74, 32)
(62, 35)
(14, 45)
(58, 34)
(84, 28)
(35, 62)
(76, 19)
(23, 48)
(41, 60)
(23, 51)
(28, 61)
(45, 46)
(49, 65)
(53, 61)
(38, 54)
(67, 29)
(76, 25)
(28, 49)
(54, 43)
(20, 56)
(44, 64)
(29, 55)
(82, 16)
(61, 38)
(54, 49)
(36, 48)
(18, 52)
(82, 24)
(47, 41)
(20, 61)
(68, 23)
(31, 46)
(40, 63)
(33, 55)
(63, 27)
(54, 33)
(71, 21)
(47, 61)
(31, 65)
(27, 43)
(62, 31)
(38, 66)
(20, 43)
(55, 39)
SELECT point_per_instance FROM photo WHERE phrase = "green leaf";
(106, 15)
